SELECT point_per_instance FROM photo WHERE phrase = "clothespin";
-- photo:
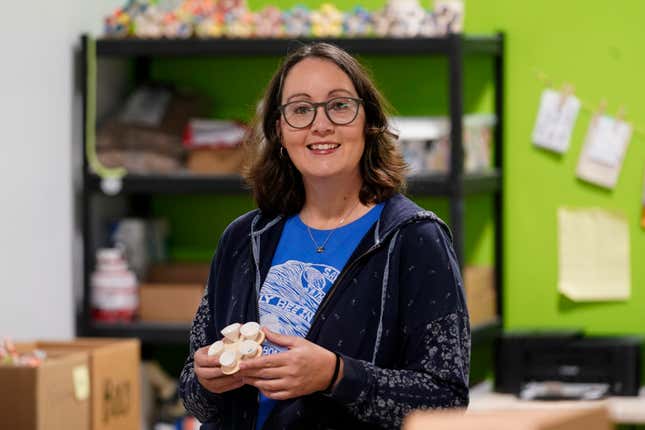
(602, 107)
(620, 119)
(567, 91)
(600, 110)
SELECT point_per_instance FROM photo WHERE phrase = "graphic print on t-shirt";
(299, 279)
(290, 297)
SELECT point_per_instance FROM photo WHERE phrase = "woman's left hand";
(304, 369)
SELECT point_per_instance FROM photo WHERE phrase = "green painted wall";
(592, 44)
(597, 46)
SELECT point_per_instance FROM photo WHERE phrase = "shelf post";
(141, 70)
(83, 319)
(499, 156)
(455, 97)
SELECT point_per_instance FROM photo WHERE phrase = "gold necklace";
(321, 248)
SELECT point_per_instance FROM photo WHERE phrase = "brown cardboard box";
(115, 380)
(169, 302)
(543, 419)
(479, 282)
(173, 291)
(53, 396)
(216, 161)
(179, 273)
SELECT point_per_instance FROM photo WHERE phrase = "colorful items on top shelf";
(297, 22)
(269, 22)
(449, 16)
(239, 23)
(212, 26)
(358, 22)
(405, 18)
(327, 21)
(232, 18)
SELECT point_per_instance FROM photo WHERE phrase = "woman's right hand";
(209, 373)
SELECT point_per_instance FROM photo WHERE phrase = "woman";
(358, 289)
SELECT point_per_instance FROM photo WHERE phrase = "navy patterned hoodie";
(396, 314)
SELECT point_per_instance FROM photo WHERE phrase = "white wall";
(40, 128)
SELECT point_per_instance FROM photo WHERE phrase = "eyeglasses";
(302, 113)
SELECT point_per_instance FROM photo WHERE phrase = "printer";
(567, 365)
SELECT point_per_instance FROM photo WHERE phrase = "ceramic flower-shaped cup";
(240, 342)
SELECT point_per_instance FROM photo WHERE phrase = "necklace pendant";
(320, 249)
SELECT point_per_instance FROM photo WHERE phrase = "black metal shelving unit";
(177, 333)
(454, 186)
(147, 332)
(429, 185)
(488, 45)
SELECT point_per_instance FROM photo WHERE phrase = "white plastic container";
(115, 293)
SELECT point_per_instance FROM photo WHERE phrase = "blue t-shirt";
(300, 277)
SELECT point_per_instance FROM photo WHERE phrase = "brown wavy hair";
(276, 183)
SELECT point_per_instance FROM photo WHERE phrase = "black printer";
(567, 365)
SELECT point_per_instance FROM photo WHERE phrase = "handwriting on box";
(117, 399)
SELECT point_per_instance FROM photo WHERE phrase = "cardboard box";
(179, 273)
(169, 302)
(53, 396)
(481, 298)
(115, 380)
(173, 291)
(543, 419)
(216, 161)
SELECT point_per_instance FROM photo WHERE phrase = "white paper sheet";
(608, 140)
(555, 120)
(604, 150)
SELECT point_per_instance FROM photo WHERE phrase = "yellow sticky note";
(593, 254)
(81, 377)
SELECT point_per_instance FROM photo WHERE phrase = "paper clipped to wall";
(555, 120)
(593, 254)
(604, 150)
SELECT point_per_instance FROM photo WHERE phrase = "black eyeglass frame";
(324, 104)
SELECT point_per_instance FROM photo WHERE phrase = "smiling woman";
(314, 78)
(357, 288)
(325, 153)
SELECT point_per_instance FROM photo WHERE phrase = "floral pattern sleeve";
(198, 401)
(436, 380)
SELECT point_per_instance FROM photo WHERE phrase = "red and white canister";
(115, 296)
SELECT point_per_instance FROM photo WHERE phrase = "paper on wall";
(593, 254)
(603, 152)
(609, 140)
(555, 120)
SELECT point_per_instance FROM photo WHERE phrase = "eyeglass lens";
(340, 111)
